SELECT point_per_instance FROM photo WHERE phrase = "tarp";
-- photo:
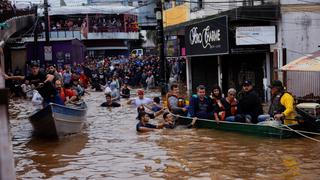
(309, 62)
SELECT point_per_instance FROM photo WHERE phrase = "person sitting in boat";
(151, 115)
(144, 125)
(140, 100)
(200, 105)
(169, 122)
(228, 108)
(125, 91)
(249, 106)
(216, 96)
(282, 105)
(176, 104)
(76, 86)
(109, 102)
(42, 82)
(60, 90)
(71, 95)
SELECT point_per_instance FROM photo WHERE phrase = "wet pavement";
(110, 148)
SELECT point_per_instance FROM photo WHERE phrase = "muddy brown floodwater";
(110, 148)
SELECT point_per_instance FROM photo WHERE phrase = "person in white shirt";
(140, 100)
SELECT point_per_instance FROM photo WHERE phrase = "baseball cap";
(276, 83)
(140, 92)
(246, 82)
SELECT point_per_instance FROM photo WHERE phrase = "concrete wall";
(211, 7)
(299, 34)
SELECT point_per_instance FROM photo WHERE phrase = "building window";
(196, 5)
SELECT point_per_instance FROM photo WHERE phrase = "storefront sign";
(47, 53)
(207, 38)
(253, 35)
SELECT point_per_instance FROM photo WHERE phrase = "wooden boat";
(308, 123)
(58, 120)
(267, 130)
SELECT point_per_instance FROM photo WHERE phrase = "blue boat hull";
(57, 120)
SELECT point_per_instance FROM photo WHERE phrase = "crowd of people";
(97, 23)
(9, 10)
(244, 106)
(114, 75)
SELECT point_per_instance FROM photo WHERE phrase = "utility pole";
(46, 23)
(160, 40)
(35, 36)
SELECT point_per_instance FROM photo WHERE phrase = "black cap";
(246, 82)
(34, 64)
(276, 83)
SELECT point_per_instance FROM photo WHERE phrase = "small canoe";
(280, 131)
(56, 120)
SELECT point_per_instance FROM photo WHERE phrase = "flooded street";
(110, 148)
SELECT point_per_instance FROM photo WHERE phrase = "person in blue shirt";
(144, 125)
(200, 105)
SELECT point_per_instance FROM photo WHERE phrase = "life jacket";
(276, 107)
(181, 101)
(233, 109)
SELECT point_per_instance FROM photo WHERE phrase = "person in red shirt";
(71, 95)
(84, 80)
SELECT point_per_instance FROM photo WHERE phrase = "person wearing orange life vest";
(228, 109)
(175, 103)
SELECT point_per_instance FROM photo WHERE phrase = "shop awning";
(309, 62)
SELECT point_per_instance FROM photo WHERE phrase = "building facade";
(262, 37)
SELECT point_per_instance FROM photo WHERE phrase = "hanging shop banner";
(252, 35)
(47, 53)
(207, 38)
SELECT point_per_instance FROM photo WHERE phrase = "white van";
(137, 52)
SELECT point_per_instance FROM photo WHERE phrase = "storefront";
(60, 52)
(226, 53)
(205, 43)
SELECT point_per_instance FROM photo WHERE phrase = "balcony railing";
(91, 35)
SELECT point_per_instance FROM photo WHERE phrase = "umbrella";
(309, 62)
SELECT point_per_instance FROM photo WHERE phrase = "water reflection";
(215, 154)
(110, 148)
(51, 157)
